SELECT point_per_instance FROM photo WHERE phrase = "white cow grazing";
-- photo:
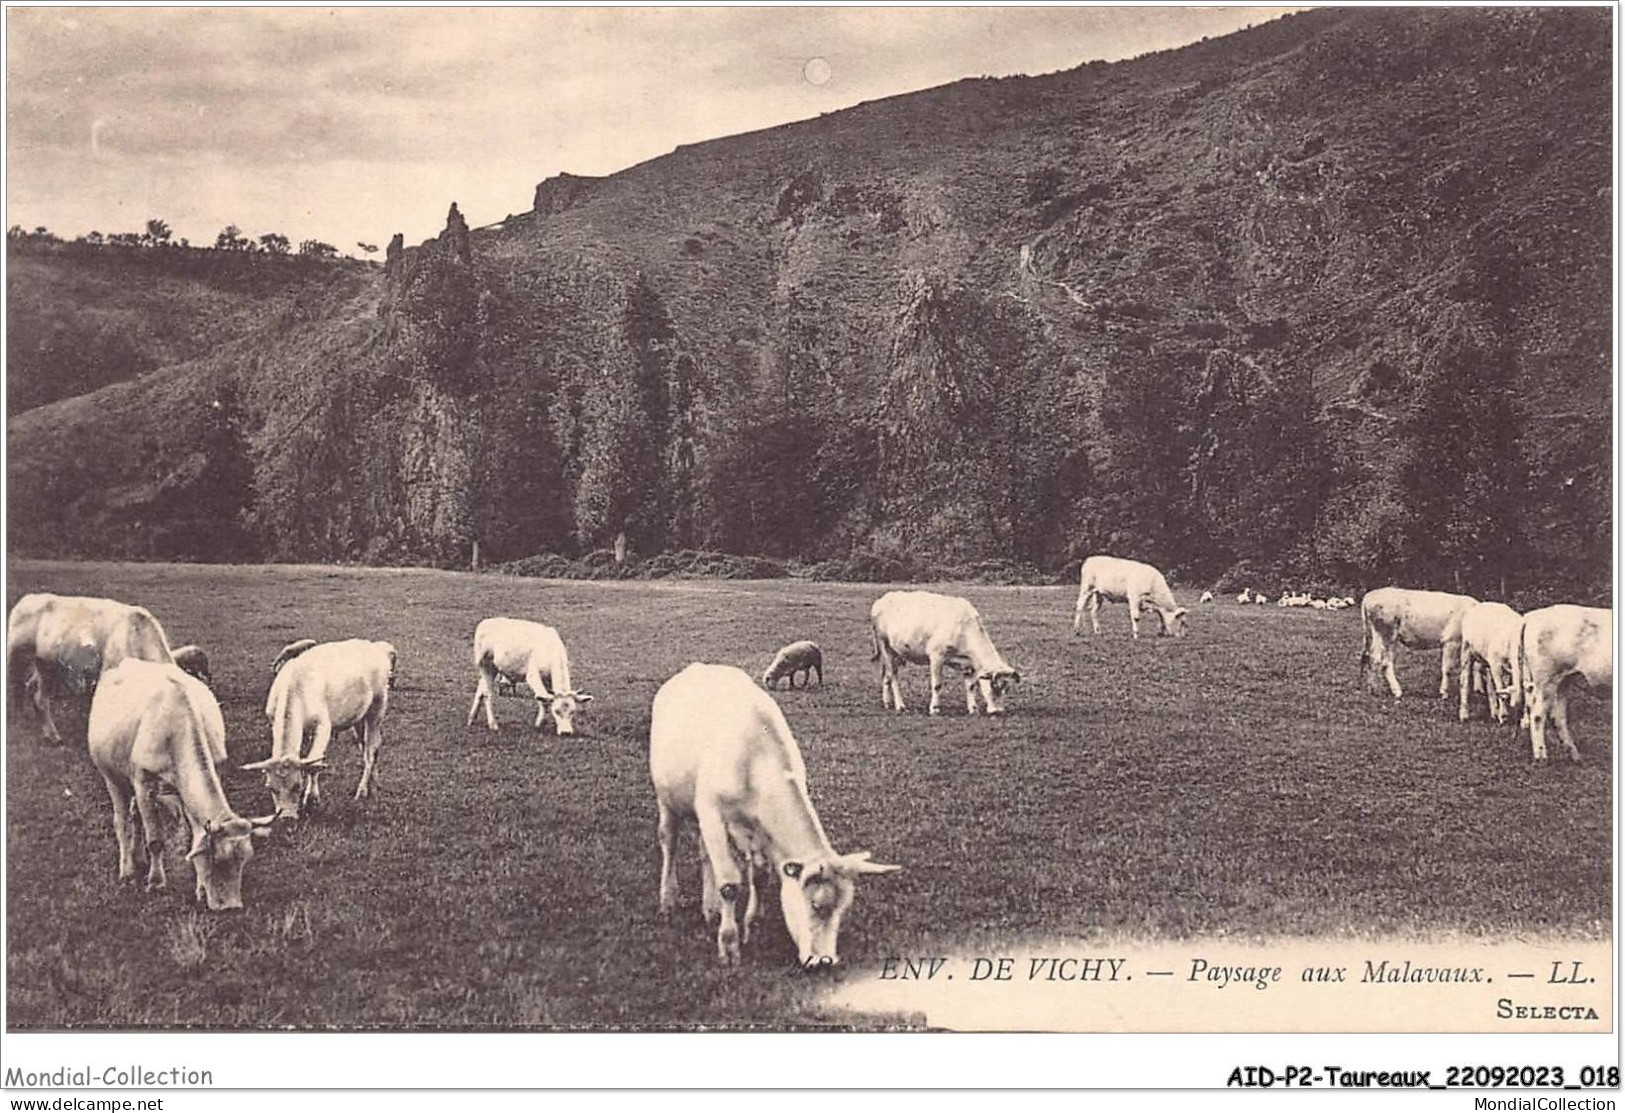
(531, 652)
(329, 687)
(1129, 581)
(1207, 597)
(922, 627)
(65, 642)
(1556, 646)
(1416, 619)
(153, 729)
(1246, 596)
(1488, 658)
(721, 753)
(1261, 600)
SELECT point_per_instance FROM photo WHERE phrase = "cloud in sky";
(352, 123)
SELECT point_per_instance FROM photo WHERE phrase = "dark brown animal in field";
(290, 651)
(194, 662)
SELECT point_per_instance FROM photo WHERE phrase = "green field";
(1238, 782)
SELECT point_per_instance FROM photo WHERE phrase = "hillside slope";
(1329, 295)
(80, 318)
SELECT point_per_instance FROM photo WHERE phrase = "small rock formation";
(561, 192)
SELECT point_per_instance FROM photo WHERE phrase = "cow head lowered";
(1173, 622)
(994, 684)
(814, 896)
(564, 706)
(219, 853)
(290, 780)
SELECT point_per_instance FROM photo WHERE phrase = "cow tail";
(874, 641)
(1520, 669)
(1365, 640)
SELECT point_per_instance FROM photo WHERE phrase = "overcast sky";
(353, 123)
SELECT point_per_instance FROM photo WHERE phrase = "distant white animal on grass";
(194, 662)
(939, 631)
(156, 735)
(330, 687)
(1246, 596)
(721, 754)
(1416, 619)
(801, 657)
(1557, 646)
(1127, 581)
(1488, 659)
(534, 653)
(1207, 597)
(1261, 599)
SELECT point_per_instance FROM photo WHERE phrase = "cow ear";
(256, 765)
(792, 869)
(859, 863)
(583, 697)
(313, 764)
(1179, 611)
(200, 844)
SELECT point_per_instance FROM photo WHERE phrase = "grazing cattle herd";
(721, 751)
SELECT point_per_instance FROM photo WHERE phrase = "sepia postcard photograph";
(845, 520)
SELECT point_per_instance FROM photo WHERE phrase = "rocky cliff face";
(1330, 297)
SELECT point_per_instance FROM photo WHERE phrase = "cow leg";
(1560, 719)
(152, 825)
(1135, 602)
(119, 794)
(42, 702)
(1447, 655)
(820, 669)
(970, 695)
(669, 826)
(725, 872)
(888, 681)
(1536, 709)
(1385, 653)
(935, 664)
(543, 695)
(373, 740)
(1467, 667)
(1094, 611)
(1077, 613)
(199, 867)
(753, 905)
(484, 690)
(1498, 702)
(710, 903)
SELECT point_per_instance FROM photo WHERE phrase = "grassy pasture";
(1237, 782)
